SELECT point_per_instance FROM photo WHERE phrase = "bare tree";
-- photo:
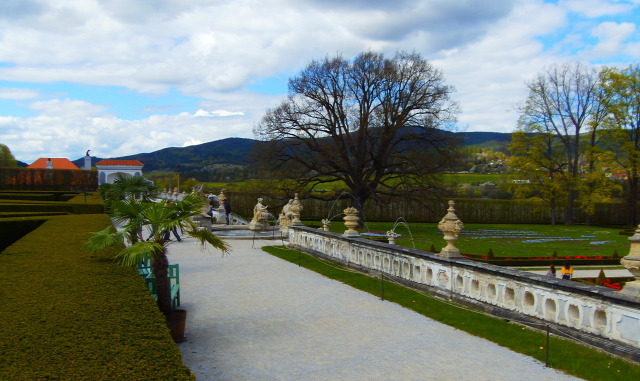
(376, 124)
(562, 100)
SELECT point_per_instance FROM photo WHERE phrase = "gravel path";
(252, 316)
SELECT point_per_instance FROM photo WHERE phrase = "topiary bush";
(69, 314)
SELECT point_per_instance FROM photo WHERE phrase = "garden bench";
(174, 279)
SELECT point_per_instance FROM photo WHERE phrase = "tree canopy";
(377, 124)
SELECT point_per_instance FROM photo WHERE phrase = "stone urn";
(325, 225)
(450, 226)
(391, 236)
(632, 263)
(351, 222)
(295, 209)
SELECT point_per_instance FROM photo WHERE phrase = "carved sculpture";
(259, 220)
(286, 216)
(451, 226)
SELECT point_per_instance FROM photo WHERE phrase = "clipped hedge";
(14, 229)
(69, 314)
(75, 205)
(526, 262)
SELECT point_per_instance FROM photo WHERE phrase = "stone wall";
(589, 313)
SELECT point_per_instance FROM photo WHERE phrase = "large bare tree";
(378, 125)
(562, 100)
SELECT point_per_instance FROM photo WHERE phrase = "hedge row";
(69, 314)
(75, 205)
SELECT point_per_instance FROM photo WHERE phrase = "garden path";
(252, 316)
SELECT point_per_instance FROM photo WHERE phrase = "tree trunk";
(358, 204)
(553, 211)
(160, 267)
(570, 205)
(633, 200)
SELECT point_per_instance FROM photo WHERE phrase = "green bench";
(174, 279)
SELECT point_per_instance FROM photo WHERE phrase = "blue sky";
(121, 77)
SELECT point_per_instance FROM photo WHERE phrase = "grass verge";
(568, 356)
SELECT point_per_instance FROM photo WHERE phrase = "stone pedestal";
(450, 226)
(632, 263)
(351, 222)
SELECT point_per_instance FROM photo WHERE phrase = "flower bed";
(540, 261)
(613, 283)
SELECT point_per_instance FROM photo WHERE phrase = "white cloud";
(597, 8)
(18, 94)
(220, 113)
(67, 128)
(611, 35)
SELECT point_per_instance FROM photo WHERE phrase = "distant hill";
(235, 151)
(225, 151)
(491, 140)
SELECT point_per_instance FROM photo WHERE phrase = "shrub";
(68, 314)
(615, 254)
(555, 254)
(601, 278)
(490, 254)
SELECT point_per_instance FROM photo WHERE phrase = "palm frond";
(137, 253)
(103, 239)
(203, 236)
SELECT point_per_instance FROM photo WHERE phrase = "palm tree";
(161, 218)
(128, 187)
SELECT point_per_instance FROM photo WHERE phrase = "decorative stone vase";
(391, 236)
(450, 226)
(325, 224)
(296, 209)
(632, 263)
(176, 322)
(351, 222)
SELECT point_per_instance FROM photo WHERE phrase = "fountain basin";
(243, 232)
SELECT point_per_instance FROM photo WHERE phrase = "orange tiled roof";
(58, 163)
(119, 162)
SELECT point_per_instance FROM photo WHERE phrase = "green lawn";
(509, 240)
(463, 178)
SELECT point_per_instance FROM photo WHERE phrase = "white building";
(108, 170)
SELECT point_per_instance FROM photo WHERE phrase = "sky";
(120, 77)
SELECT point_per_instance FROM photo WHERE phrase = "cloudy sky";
(121, 77)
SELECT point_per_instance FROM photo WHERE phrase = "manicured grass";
(509, 240)
(568, 356)
(471, 178)
(69, 314)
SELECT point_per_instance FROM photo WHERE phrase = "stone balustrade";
(589, 312)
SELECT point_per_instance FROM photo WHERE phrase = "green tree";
(375, 124)
(160, 218)
(561, 100)
(623, 110)
(538, 164)
(6, 157)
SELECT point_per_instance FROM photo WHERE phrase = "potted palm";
(159, 218)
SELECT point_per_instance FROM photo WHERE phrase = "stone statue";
(259, 220)
(258, 211)
(88, 152)
(286, 216)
